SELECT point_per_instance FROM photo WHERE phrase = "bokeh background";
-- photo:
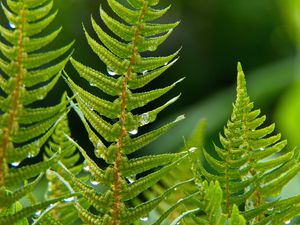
(214, 35)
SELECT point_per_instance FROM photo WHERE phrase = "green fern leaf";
(69, 157)
(14, 217)
(28, 74)
(8, 198)
(248, 165)
(209, 207)
(115, 121)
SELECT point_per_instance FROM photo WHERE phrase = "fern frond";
(115, 121)
(8, 198)
(13, 209)
(69, 157)
(180, 173)
(13, 217)
(27, 74)
(208, 202)
(251, 164)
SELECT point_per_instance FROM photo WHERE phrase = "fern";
(209, 203)
(236, 183)
(182, 173)
(114, 121)
(70, 157)
(26, 77)
(251, 165)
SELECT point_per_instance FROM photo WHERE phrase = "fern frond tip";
(241, 81)
(239, 67)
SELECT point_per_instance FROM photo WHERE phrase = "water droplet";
(99, 144)
(69, 199)
(144, 119)
(261, 149)
(92, 84)
(95, 183)
(270, 209)
(175, 189)
(131, 179)
(15, 164)
(11, 25)
(144, 219)
(30, 155)
(38, 213)
(111, 72)
(145, 72)
(192, 150)
(287, 222)
(86, 168)
(133, 132)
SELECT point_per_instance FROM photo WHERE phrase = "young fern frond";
(209, 208)
(251, 164)
(114, 121)
(64, 212)
(27, 74)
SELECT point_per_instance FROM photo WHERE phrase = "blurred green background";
(214, 35)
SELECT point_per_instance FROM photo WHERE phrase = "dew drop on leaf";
(11, 25)
(15, 164)
(95, 183)
(69, 199)
(86, 168)
(133, 132)
(144, 218)
(99, 144)
(131, 179)
(287, 222)
(30, 155)
(144, 119)
(192, 150)
(38, 213)
(145, 72)
(111, 72)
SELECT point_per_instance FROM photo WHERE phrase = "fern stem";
(256, 199)
(16, 96)
(227, 191)
(117, 185)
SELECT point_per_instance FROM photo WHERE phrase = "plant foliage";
(235, 184)
(27, 75)
(70, 157)
(115, 121)
(251, 168)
